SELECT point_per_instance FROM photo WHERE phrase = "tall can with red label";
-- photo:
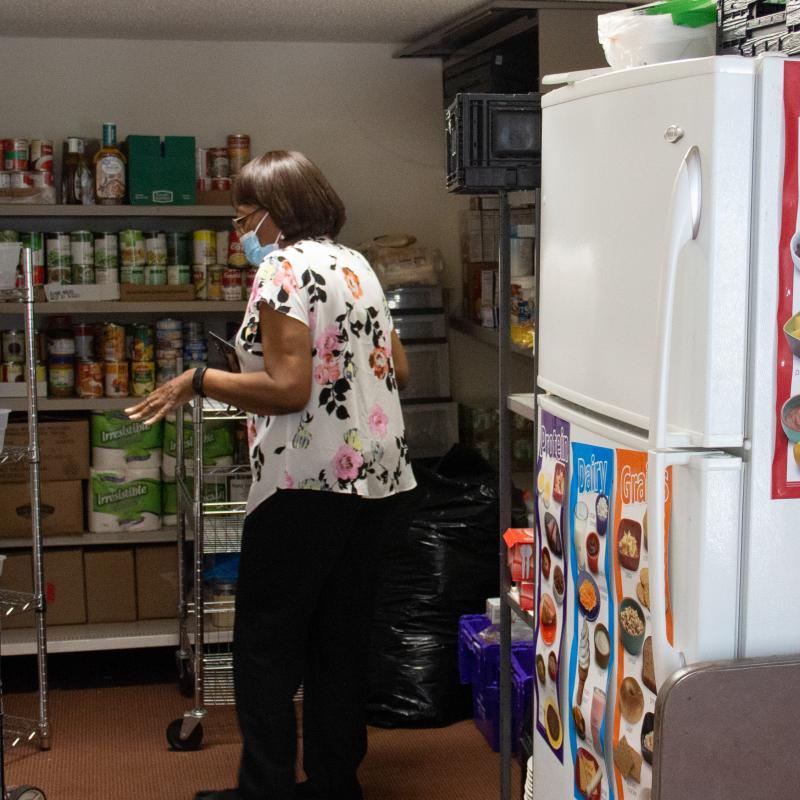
(41, 155)
(232, 284)
(16, 154)
(238, 151)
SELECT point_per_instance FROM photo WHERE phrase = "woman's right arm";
(401, 369)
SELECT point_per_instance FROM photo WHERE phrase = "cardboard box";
(133, 293)
(110, 585)
(161, 172)
(62, 509)
(157, 581)
(214, 197)
(64, 587)
(63, 446)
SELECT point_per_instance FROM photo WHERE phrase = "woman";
(321, 367)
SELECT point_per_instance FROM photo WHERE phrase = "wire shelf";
(16, 602)
(14, 455)
(218, 679)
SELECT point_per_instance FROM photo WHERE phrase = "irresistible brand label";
(552, 508)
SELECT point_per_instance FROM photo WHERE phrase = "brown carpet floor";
(109, 744)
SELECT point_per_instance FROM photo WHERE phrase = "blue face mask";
(254, 251)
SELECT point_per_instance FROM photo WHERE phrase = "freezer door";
(613, 147)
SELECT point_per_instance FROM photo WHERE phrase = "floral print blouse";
(350, 437)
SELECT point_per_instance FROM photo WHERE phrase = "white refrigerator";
(670, 281)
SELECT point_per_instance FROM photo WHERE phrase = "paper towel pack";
(124, 500)
(121, 443)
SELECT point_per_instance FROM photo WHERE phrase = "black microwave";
(494, 142)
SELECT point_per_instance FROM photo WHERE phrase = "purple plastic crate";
(479, 662)
(522, 672)
(486, 714)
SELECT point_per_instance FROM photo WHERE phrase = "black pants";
(304, 605)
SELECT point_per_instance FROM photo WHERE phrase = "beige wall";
(373, 123)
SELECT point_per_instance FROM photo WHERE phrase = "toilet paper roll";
(124, 500)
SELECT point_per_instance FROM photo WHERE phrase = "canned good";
(221, 184)
(130, 273)
(59, 250)
(205, 247)
(21, 180)
(170, 325)
(106, 275)
(61, 376)
(142, 346)
(200, 281)
(13, 347)
(155, 245)
(215, 274)
(232, 284)
(178, 274)
(194, 330)
(41, 179)
(222, 247)
(41, 155)
(84, 341)
(82, 247)
(41, 373)
(61, 343)
(235, 256)
(16, 154)
(82, 274)
(155, 275)
(238, 151)
(166, 373)
(177, 248)
(195, 350)
(219, 165)
(143, 378)
(201, 162)
(9, 236)
(249, 281)
(113, 342)
(132, 249)
(203, 185)
(128, 341)
(105, 250)
(13, 372)
(5, 180)
(90, 378)
(115, 374)
(35, 241)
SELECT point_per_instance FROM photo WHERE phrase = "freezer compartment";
(429, 367)
(613, 148)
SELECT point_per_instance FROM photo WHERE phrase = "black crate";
(752, 27)
(494, 142)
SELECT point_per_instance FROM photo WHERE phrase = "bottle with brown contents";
(109, 165)
(76, 183)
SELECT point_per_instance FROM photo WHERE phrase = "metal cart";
(205, 659)
(15, 729)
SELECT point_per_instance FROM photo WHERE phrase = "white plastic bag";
(399, 261)
(631, 38)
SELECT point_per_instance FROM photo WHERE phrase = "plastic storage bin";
(425, 327)
(469, 627)
(430, 372)
(431, 428)
(415, 298)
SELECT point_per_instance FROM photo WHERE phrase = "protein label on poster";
(552, 507)
(786, 460)
(592, 656)
(634, 712)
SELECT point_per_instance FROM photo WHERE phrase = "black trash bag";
(440, 563)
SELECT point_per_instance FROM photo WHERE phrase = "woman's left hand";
(167, 398)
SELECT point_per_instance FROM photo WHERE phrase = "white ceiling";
(231, 20)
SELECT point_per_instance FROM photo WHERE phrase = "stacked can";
(115, 365)
(35, 241)
(155, 271)
(204, 258)
(59, 258)
(82, 253)
(89, 377)
(143, 367)
(12, 369)
(169, 350)
(179, 270)
(61, 357)
(26, 164)
(133, 257)
(238, 152)
(106, 258)
(195, 349)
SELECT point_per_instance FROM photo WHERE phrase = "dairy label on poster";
(552, 508)
(634, 712)
(592, 656)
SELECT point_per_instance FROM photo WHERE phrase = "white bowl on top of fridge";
(9, 261)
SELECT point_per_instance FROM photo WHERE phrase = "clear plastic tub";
(412, 327)
(429, 365)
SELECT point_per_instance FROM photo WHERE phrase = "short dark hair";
(293, 189)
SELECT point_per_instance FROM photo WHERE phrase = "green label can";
(178, 274)
(106, 275)
(82, 274)
(155, 275)
(82, 247)
(105, 251)
(132, 249)
(142, 344)
(59, 251)
(9, 236)
(143, 378)
(177, 248)
(132, 273)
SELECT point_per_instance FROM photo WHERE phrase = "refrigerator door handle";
(666, 658)
(686, 206)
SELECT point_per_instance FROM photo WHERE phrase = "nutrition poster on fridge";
(786, 460)
(634, 713)
(552, 507)
(592, 657)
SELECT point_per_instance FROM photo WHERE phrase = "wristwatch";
(197, 381)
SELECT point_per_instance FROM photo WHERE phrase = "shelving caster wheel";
(26, 793)
(192, 740)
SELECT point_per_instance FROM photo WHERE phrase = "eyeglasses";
(238, 221)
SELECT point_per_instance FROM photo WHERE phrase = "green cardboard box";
(161, 171)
